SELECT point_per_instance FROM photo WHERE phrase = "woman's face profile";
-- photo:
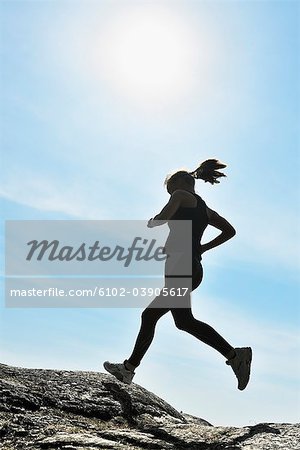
(169, 190)
(171, 187)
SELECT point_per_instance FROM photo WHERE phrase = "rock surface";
(57, 409)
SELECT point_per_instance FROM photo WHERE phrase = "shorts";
(173, 276)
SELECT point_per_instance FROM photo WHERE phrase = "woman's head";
(179, 180)
(206, 171)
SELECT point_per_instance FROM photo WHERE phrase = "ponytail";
(208, 172)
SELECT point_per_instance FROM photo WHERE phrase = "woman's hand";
(154, 222)
(150, 223)
(201, 248)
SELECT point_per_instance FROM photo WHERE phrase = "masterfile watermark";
(123, 263)
(55, 251)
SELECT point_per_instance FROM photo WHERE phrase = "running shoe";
(119, 371)
(241, 364)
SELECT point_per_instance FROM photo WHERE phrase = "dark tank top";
(199, 218)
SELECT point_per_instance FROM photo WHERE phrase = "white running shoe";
(119, 371)
(241, 364)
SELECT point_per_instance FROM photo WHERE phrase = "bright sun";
(148, 53)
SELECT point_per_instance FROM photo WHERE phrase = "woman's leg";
(184, 320)
(150, 316)
(149, 319)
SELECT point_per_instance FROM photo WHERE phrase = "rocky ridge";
(67, 410)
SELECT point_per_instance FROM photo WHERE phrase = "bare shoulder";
(178, 197)
(180, 193)
(185, 198)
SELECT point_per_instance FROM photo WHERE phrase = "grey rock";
(67, 410)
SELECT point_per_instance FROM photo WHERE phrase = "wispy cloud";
(50, 195)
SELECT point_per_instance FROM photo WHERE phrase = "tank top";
(199, 218)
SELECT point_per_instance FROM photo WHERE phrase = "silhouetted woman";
(185, 204)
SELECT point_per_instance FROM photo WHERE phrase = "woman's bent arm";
(227, 230)
(168, 210)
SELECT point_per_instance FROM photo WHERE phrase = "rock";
(58, 409)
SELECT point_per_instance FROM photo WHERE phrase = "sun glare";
(148, 54)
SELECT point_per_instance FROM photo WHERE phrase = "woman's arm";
(227, 230)
(168, 210)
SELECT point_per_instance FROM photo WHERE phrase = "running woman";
(185, 204)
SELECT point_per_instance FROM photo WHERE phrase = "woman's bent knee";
(152, 314)
(146, 314)
(183, 325)
(184, 321)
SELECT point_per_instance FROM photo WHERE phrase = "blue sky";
(87, 133)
